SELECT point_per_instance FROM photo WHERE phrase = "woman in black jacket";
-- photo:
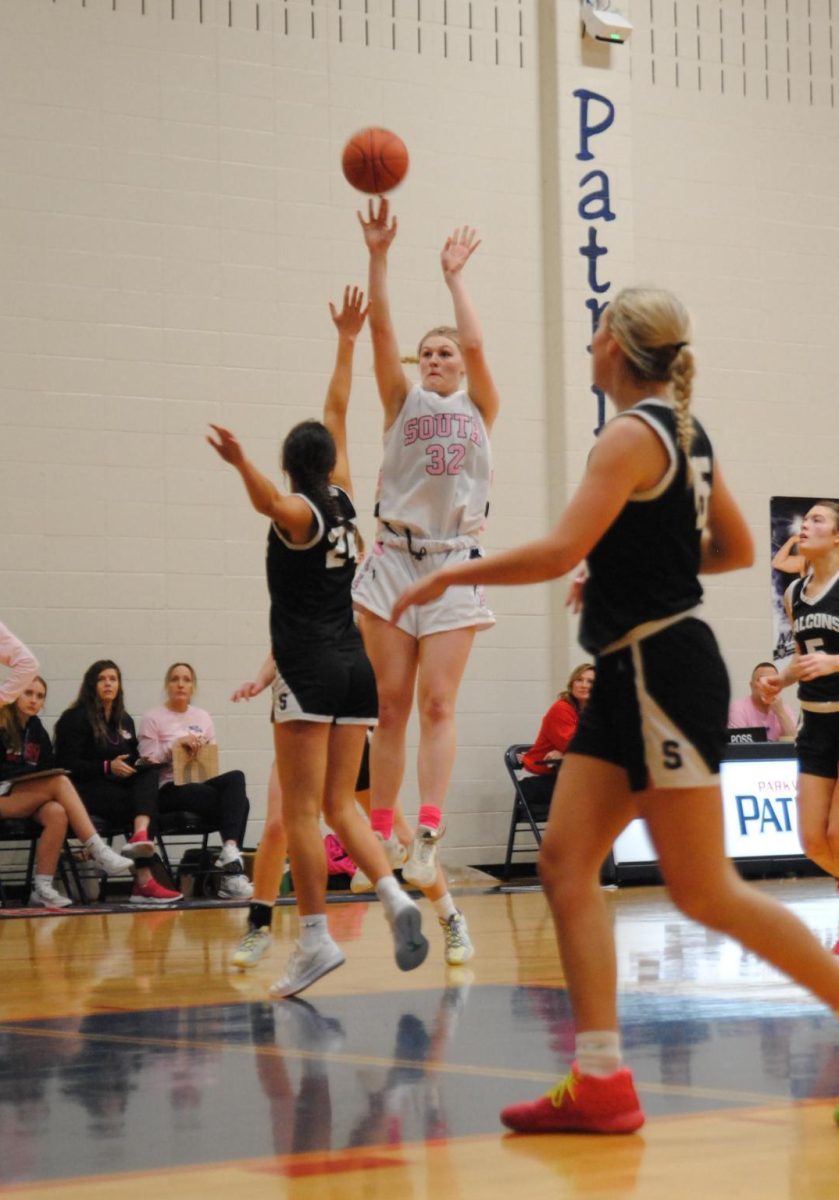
(95, 740)
(51, 800)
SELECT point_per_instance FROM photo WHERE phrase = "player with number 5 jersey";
(812, 605)
(651, 513)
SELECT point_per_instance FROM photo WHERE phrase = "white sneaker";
(306, 966)
(44, 895)
(410, 943)
(229, 855)
(235, 886)
(252, 947)
(421, 867)
(109, 861)
(396, 855)
(459, 948)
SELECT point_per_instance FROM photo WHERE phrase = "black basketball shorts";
(330, 683)
(817, 744)
(659, 708)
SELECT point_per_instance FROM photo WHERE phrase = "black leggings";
(222, 799)
(121, 800)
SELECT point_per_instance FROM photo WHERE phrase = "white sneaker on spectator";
(396, 855)
(44, 895)
(421, 867)
(306, 966)
(109, 861)
(229, 854)
(235, 885)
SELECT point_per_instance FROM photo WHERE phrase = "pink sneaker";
(581, 1104)
(139, 845)
(153, 893)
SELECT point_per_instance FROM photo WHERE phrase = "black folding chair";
(184, 827)
(531, 801)
(15, 831)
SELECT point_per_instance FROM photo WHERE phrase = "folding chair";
(187, 826)
(531, 801)
(16, 831)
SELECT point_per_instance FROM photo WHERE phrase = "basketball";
(375, 161)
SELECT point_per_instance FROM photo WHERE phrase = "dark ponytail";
(308, 459)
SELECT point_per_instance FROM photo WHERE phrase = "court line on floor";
(384, 1062)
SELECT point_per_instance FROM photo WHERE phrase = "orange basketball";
(375, 161)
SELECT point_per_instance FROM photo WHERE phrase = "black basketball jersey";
(310, 584)
(815, 627)
(645, 567)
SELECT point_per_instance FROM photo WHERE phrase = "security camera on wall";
(602, 23)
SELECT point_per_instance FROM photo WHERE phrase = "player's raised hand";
(227, 446)
(378, 233)
(350, 319)
(458, 249)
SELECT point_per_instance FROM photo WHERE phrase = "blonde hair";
(652, 328)
(445, 331)
(568, 694)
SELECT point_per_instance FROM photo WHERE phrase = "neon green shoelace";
(565, 1087)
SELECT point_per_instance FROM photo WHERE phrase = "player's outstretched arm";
(348, 322)
(290, 513)
(626, 456)
(391, 379)
(454, 256)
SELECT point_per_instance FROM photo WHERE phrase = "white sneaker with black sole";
(234, 885)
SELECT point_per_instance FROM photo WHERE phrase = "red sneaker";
(153, 893)
(835, 949)
(139, 845)
(581, 1104)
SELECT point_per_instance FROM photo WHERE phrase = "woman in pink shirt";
(223, 798)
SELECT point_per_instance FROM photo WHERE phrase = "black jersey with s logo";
(646, 566)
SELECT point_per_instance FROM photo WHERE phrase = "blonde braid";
(681, 378)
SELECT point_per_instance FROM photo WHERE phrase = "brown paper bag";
(202, 767)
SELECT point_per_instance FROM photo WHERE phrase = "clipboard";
(197, 769)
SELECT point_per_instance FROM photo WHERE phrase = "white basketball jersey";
(437, 468)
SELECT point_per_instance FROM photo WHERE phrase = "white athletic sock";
(598, 1052)
(313, 931)
(42, 881)
(391, 895)
(445, 907)
(94, 843)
